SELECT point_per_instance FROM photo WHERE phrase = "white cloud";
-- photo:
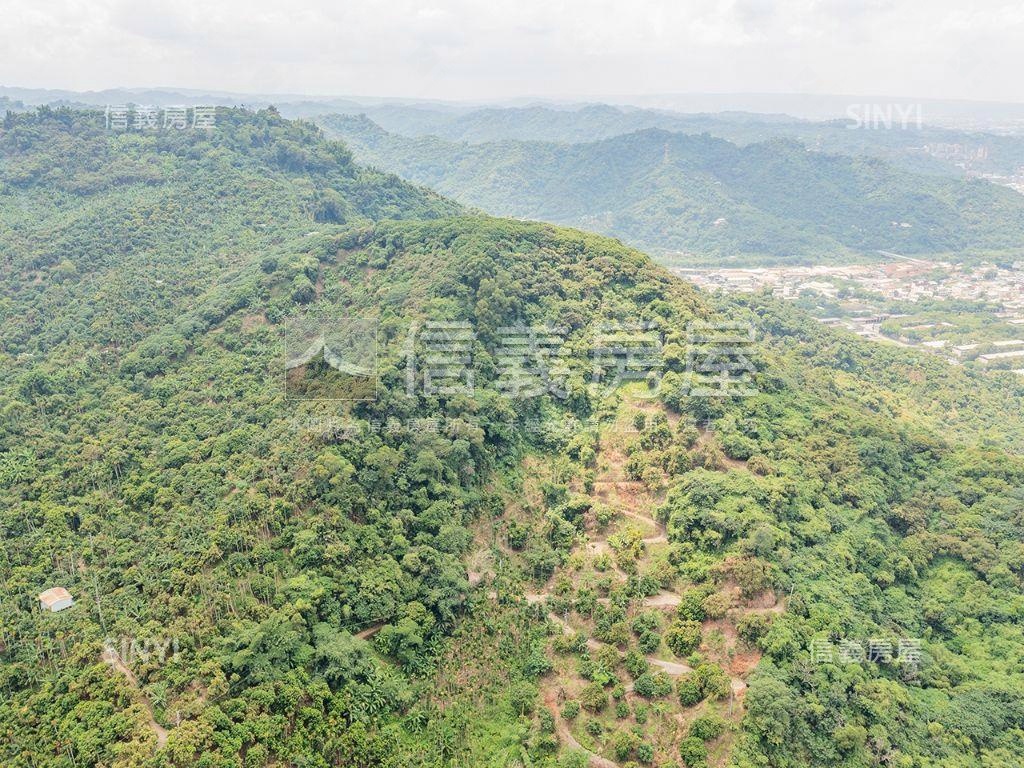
(503, 48)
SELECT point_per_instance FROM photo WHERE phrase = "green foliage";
(593, 697)
(683, 636)
(522, 697)
(652, 686)
(706, 681)
(693, 752)
(707, 727)
(636, 664)
(149, 463)
(675, 193)
(691, 603)
(623, 743)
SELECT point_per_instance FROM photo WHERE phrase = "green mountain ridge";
(899, 144)
(340, 600)
(697, 198)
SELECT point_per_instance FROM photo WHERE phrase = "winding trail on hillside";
(113, 658)
(566, 737)
(592, 644)
(632, 503)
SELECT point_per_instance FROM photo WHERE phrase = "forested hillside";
(615, 575)
(699, 199)
(903, 143)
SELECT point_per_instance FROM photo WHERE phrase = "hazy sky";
(503, 48)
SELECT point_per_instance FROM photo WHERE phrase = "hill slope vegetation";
(700, 199)
(608, 574)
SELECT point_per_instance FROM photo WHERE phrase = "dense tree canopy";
(299, 581)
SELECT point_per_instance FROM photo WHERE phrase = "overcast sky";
(457, 49)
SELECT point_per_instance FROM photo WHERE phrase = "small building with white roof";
(55, 599)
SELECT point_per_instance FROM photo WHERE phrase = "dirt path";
(113, 658)
(592, 644)
(566, 737)
(663, 600)
(369, 632)
(633, 503)
(647, 519)
(779, 607)
(671, 667)
(707, 435)
(737, 684)
(602, 547)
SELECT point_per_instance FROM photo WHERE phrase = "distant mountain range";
(921, 148)
(697, 197)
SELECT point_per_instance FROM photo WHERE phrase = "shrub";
(623, 743)
(677, 460)
(688, 690)
(738, 446)
(716, 605)
(713, 681)
(570, 710)
(759, 465)
(521, 698)
(753, 575)
(752, 626)
(574, 509)
(850, 737)
(707, 727)
(607, 656)
(657, 433)
(517, 533)
(603, 516)
(688, 434)
(546, 721)
(691, 604)
(635, 466)
(537, 665)
(544, 744)
(585, 666)
(651, 686)
(649, 642)
(574, 643)
(644, 753)
(709, 455)
(617, 634)
(693, 752)
(636, 664)
(652, 478)
(593, 698)
(683, 637)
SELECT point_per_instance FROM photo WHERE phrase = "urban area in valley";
(968, 313)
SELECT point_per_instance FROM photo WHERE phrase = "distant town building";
(992, 356)
(55, 599)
